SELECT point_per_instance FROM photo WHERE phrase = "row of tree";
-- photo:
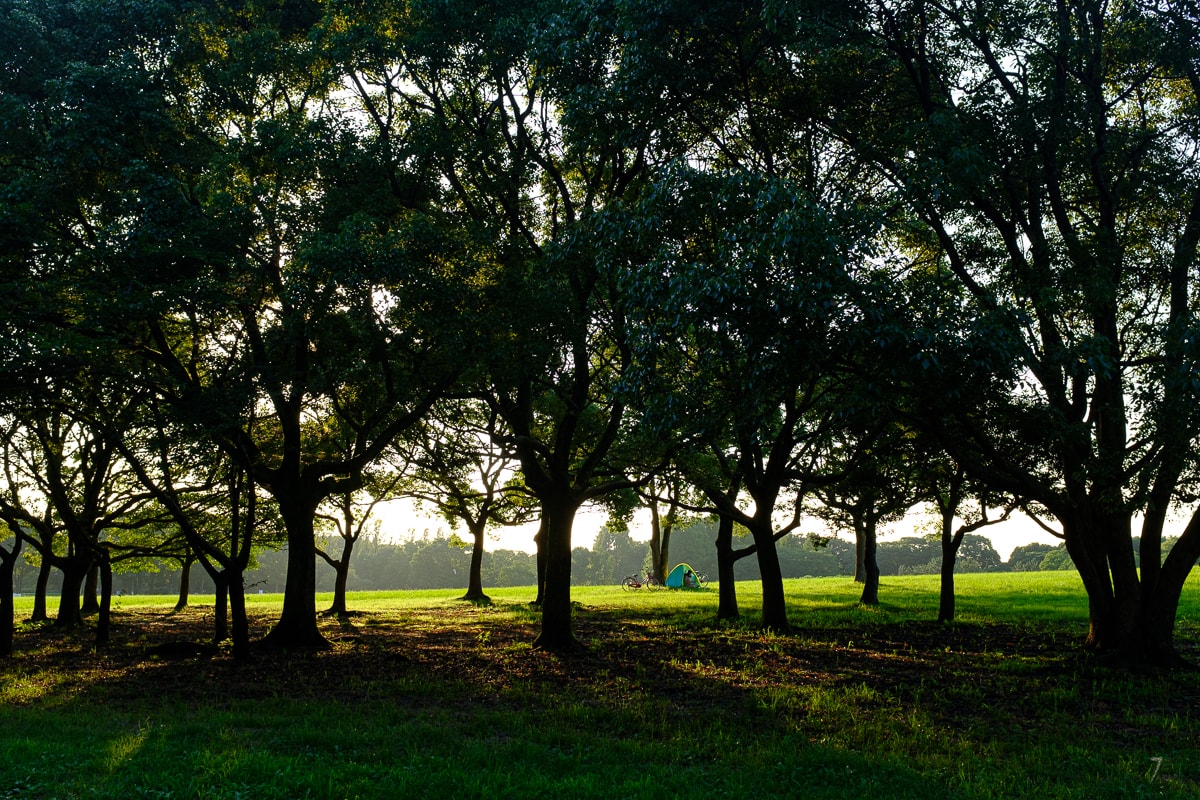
(442, 562)
(267, 262)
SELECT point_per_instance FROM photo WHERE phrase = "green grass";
(426, 696)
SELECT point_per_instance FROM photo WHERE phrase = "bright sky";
(401, 520)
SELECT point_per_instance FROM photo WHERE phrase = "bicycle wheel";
(630, 584)
(701, 580)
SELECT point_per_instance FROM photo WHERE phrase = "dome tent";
(682, 577)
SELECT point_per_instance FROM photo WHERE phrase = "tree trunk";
(74, 570)
(185, 583)
(946, 596)
(556, 634)
(727, 605)
(8, 619)
(1160, 603)
(860, 556)
(539, 540)
(297, 626)
(1087, 553)
(237, 606)
(91, 604)
(656, 559)
(341, 577)
(870, 592)
(104, 608)
(774, 604)
(39, 592)
(221, 606)
(475, 580)
(950, 545)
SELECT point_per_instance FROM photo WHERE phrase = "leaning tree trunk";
(297, 626)
(556, 634)
(341, 578)
(475, 580)
(727, 605)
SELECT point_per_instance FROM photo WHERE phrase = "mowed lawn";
(422, 695)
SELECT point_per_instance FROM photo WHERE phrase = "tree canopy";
(750, 243)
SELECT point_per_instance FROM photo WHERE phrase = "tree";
(455, 464)
(745, 311)
(306, 282)
(875, 487)
(746, 258)
(1028, 557)
(948, 485)
(64, 475)
(498, 96)
(1045, 148)
(213, 502)
(668, 496)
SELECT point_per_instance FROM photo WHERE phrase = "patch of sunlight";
(46, 689)
(124, 748)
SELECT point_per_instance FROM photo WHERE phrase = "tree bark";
(950, 545)
(946, 594)
(556, 634)
(774, 603)
(185, 583)
(91, 603)
(104, 607)
(240, 625)
(539, 540)
(8, 564)
(727, 605)
(870, 592)
(39, 592)
(221, 607)
(475, 575)
(297, 626)
(341, 578)
(1160, 603)
(860, 556)
(74, 570)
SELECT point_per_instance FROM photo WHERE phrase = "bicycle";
(636, 581)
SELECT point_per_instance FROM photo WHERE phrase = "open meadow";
(423, 695)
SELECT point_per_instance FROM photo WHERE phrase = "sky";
(401, 520)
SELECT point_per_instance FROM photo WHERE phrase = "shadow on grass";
(451, 699)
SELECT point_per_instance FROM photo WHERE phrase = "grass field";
(422, 695)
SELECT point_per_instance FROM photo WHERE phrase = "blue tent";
(682, 577)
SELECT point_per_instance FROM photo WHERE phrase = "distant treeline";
(441, 562)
